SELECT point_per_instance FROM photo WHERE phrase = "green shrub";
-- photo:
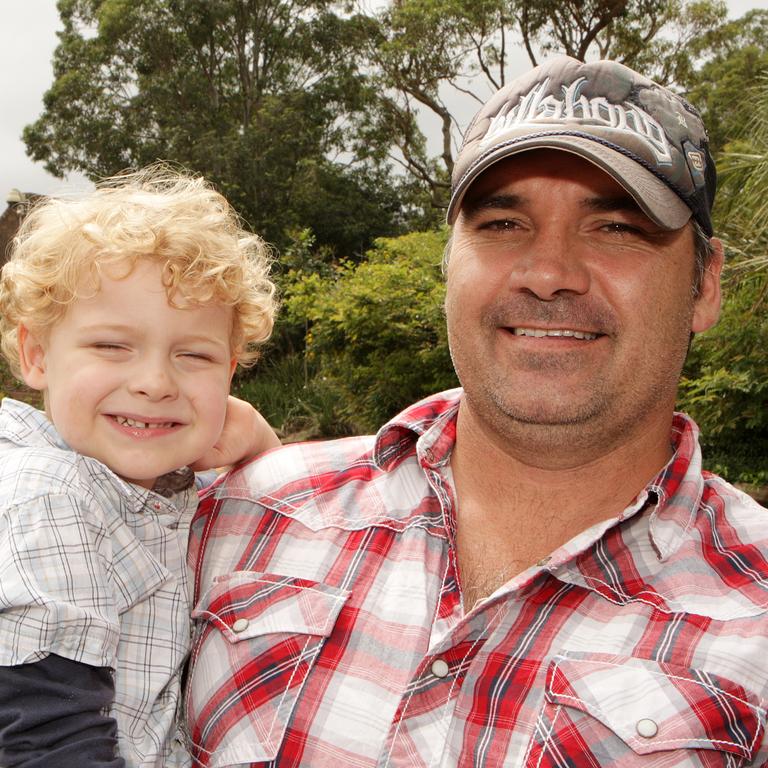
(725, 385)
(297, 401)
(376, 329)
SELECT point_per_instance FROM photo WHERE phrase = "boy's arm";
(52, 714)
(246, 434)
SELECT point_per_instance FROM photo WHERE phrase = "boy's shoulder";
(34, 461)
(34, 470)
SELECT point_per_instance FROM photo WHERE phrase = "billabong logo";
(534, 108)
(697, 160)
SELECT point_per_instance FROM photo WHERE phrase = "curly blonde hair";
(158, 214)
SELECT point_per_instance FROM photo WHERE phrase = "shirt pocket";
(258, 637)
(623, 711)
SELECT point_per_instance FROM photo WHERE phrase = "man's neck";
(516, 505)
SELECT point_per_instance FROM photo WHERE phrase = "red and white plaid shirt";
(331, 632)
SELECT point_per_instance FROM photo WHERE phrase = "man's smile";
(557, 332)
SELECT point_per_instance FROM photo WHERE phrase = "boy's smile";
(131, 380)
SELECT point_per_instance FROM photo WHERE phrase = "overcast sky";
(27, 40)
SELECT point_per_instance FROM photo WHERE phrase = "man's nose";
(550, 265)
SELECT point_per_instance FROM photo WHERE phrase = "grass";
(299, 404)
(10, 386)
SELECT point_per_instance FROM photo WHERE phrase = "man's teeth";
(126, 422)
(540, 332)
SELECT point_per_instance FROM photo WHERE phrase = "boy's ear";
(31, 359)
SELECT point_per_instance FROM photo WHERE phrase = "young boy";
(129, 310)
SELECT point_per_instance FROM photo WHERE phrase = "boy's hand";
(246, 434)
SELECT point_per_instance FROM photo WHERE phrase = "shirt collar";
(25, 425)
(430, 424)
(673, 494)
(678, 488)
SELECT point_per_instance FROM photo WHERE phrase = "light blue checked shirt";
(93, 569)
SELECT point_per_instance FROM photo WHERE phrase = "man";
(532, 570)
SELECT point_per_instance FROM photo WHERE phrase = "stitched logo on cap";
(540, 109)
(697, 160)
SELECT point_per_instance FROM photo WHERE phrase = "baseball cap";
(647, 138)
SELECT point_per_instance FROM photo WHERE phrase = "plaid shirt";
(330, 628)
(93, 569)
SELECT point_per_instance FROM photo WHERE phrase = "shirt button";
(647, 728)
(240, 625)
(439, 668)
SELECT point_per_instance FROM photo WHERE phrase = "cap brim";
(653, 196)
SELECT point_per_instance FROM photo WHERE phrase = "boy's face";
(132, 381)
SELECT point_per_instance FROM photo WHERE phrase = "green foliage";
(257, 96)
(298, 402)
(726, 382)
(376, 330)
(10, 386)
(727, 86)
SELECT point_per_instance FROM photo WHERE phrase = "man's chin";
(551, 413)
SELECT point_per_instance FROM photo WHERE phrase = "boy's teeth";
(126, 422)
(540, 332)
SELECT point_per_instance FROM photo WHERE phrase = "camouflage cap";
(650, 140)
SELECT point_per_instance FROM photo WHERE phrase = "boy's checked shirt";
(93, 569)
(330, 629)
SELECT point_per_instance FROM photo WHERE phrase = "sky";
(27, 41)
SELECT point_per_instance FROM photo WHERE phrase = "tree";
(726, 86)
(726, 382)
(255, 94)
(426, 54)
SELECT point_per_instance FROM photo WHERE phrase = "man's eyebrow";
(471, 206)
(612, 203)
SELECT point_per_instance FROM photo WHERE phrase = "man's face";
(569, 311)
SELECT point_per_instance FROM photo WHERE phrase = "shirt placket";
(423, 718)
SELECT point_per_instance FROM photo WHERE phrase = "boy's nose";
(155, 382)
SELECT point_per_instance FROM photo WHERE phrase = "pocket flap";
(245, 604)
(653, 706)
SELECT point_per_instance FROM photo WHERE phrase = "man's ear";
(31, 358)
(706, 310)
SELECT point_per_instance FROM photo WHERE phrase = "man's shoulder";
(296, 477)
(301, 461)
(737, 506)
(350, 483)
(313, 465)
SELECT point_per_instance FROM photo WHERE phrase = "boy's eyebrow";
(471, 206)
(128, 328)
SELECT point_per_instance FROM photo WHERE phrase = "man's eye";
(500, 225)
(622, 228)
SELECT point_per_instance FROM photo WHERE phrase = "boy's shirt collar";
(29, 426)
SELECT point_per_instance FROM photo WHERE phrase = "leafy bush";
(376, 330)
(725, 385)
(296, 400)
